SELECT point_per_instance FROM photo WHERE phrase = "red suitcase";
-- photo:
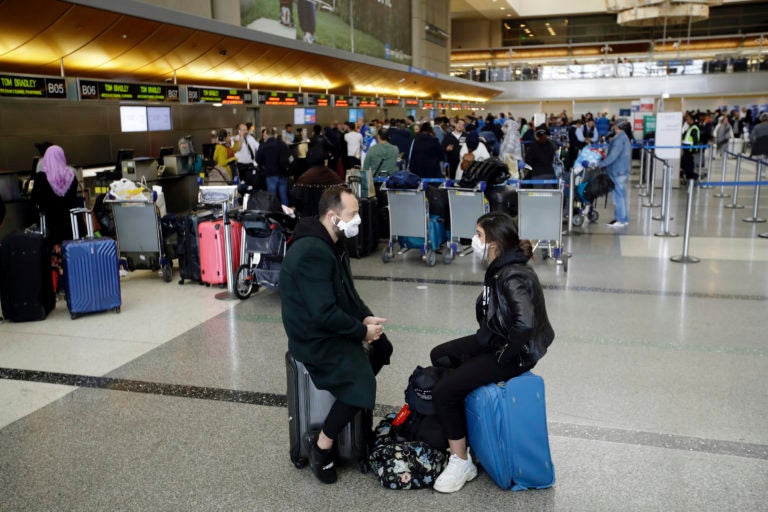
(213, 266)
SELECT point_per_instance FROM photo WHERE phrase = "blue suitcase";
(507, 430)
(91, 270)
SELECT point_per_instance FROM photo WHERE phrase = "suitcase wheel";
(73, 316)
(117, 309)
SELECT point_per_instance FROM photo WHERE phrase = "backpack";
(492, 171)
(600, 186)
(403, 180)
(185, 145)
(402, 464)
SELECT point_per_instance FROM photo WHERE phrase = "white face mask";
(479, 248)
(351, 228)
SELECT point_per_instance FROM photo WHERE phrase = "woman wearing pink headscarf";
(55, 193)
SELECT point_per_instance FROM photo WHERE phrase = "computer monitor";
(164, 151)
(123, 154)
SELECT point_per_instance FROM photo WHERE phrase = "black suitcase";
(502, 199)
(307, 409)
(26, 283)
(188, 248)
(368, 238)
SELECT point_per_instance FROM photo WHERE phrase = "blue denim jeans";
(278, 185)
(620, 199)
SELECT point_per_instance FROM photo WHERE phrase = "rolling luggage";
(187, 247)
(26, 284)
(91, 270)
(507, 430)
(368, 238)
(213, 266)
(307, 409)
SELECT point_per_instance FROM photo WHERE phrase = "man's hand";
(375, 326)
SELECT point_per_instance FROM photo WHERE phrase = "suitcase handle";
(73, 213)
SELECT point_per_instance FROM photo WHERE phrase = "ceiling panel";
(37, 36)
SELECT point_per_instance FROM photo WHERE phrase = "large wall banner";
(378, 28)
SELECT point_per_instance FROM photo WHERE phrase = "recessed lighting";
(502, 8)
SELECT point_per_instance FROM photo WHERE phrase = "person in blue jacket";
(617, 164)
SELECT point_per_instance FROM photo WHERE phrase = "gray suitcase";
(307, 409)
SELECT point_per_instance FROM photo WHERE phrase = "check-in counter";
(180, 191)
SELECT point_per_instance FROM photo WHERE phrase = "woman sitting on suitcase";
(514, 334)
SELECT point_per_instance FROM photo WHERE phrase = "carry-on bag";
(26, 282)
(368, 238)
(91, 270)
(187, 247)
(507, 430)
(307, 409)
(211, 240)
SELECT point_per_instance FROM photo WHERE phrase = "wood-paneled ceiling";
(44, 36)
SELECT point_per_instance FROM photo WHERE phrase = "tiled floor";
(656, 383)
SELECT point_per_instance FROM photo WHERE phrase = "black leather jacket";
(511, 312)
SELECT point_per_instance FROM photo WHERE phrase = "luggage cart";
(540, 219)
(408, 216)
(465, 206)
(140, 236)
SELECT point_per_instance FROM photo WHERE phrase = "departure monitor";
(159, 118)
(133, 119)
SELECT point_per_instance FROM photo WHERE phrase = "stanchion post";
(734, 205)
(665, 215)
(571, 192)
(722, 176)
(665, 185)
(640, 183)
(646, 168)
(685, 257)
(754, 218)
(652, 187)
(706, 175)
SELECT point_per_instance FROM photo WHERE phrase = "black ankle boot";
(321, 461)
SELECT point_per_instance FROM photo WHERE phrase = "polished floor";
(657, 395)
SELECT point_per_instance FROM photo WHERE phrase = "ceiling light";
(502, 8)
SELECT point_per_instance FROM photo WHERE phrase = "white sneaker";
(456, 474)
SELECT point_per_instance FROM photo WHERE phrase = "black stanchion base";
(763, 235)
(666, 234)
(734, 206)
(226, 296)
(685, 259)
(753, 220)
(720, 196)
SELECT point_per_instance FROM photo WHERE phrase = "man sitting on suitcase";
(329, 327)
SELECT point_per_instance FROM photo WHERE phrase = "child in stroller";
(265, 235)
(590, 184)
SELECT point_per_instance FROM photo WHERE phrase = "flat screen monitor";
(310, 116)
(123, 154)
(165, 151)
(133, 119)
(159, 118)
(355, 114)
(298, 116)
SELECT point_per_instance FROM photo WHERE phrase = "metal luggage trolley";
(465, 206)
(540, 219)
(140, 236)
(408, 216)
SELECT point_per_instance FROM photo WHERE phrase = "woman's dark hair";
(317, 129)
(500, 227)
(223, 134)
(426, 127)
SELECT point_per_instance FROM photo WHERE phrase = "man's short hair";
(331, 199)
(383, 134)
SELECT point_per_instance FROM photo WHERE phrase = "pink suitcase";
(213, 266)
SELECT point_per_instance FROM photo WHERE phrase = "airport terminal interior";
(656, 393)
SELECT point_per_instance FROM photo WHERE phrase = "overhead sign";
(223, 96)
(281, 98)
(411, 103)
(96, 90)
(18, 86)
(319, 100)
(392, 102)
(366, 102)
(429, 105)
(342, 101)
